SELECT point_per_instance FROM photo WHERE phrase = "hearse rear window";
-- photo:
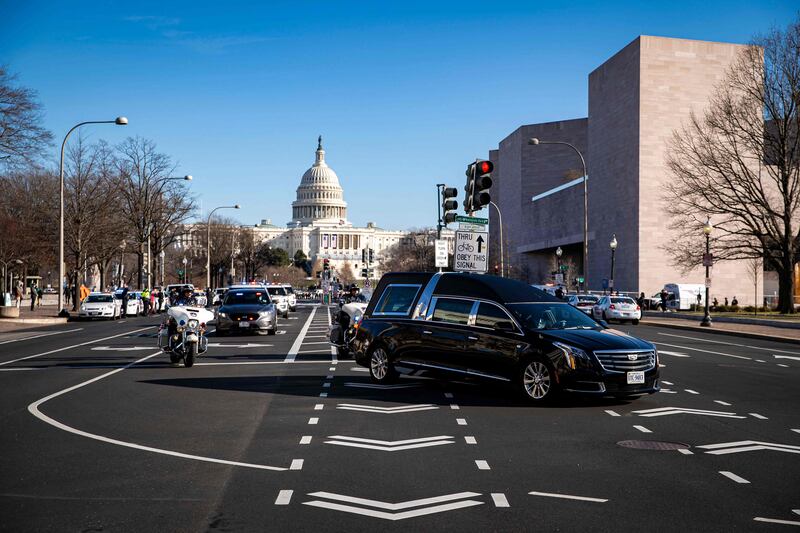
(397, 300)
(452, 310)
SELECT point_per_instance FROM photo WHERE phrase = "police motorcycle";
(344, 325)
(182, 335)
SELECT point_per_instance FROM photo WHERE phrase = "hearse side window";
(396, 300)
(489, 315)
(452, 310)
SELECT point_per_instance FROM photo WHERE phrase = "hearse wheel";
(537, 382)
(381, 369)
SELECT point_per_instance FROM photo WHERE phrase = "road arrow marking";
(248, 345)
(378, 386)
(674, 354)
(386, 410)
(121, 348)
(748, 446)
(387, 445)
(360, 505)
(665, 411)
(785, 357)
(776, 521)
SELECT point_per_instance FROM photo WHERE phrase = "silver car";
(248, 309)
(620, 308)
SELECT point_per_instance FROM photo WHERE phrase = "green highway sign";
(472, 220)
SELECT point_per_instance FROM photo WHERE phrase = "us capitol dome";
(320, 198)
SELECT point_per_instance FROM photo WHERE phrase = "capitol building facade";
(319, 226)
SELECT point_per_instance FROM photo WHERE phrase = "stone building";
(637, 99)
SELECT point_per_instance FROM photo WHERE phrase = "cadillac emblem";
(632, 357)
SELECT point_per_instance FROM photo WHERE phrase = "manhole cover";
(652, 445)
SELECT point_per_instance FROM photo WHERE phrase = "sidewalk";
(729, 327)
(45, 315)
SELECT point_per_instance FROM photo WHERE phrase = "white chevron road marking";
(386, 410)
(361, 505)
(748, 446)
(379, 386)
(390, 446)
(666, 411)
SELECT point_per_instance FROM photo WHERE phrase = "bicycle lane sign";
(471, 251)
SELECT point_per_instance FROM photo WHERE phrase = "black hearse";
(499, 329)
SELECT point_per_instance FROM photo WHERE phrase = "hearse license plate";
(244, 324)
(635, 378)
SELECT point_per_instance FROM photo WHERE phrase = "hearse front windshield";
(551, 315)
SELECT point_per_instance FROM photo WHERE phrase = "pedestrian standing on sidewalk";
(146, 302)
(40, 296)
(664, 295)
(640, 303)
(160, 300)
(18, 294)
(34, 296)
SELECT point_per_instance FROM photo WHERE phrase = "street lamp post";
(185, 273)
(613, 246)
(500, 221)
(208, 240)
(119, 121)
(559, 253)
(6, 285)
(535, 142)
(707, 260)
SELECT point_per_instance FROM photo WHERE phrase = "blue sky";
(405, 94)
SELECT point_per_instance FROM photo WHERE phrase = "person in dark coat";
(664, 295)
(124, 299)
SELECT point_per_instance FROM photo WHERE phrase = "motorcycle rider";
(186, 298)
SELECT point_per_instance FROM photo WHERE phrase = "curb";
(35, 321)
(746, 334)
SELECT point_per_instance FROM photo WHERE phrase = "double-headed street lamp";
(208, 240)
(119, 121)
(149, 229)
(535, 142)
(613, 246)
(707, 229)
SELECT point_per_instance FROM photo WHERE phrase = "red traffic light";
(484, 167)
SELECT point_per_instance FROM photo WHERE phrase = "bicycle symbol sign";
(471, 251)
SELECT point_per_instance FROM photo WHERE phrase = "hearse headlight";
(571, 353)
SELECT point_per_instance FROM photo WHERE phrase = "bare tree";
(739, 164)
(22, 138)
(414, 252)
(345, 273)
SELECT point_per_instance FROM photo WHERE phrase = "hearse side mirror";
(505, 325)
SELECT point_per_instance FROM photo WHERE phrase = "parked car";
(249, 309)
(622, 308)
(498, 329)
(99, 305)
(583, 302)
(279, 297)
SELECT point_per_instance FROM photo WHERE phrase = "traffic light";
(479, 182)
(364, 273)
(363, 255)
(449, 205)
(371, 255)
(326, 266)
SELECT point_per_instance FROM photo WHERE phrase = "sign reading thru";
(472, 251)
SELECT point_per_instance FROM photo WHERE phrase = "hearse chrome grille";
(626, 360)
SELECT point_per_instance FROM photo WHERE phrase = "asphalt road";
(272, 433)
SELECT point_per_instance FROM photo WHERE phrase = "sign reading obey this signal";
(472, 251)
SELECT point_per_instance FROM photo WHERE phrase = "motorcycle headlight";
(193, 323)
(571, 353)
(222, 315)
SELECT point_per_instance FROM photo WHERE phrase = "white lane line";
(482, 465)
(690, 391)
(290, 357)
(728, 343)
(297, 464)
(668, 391)
(323, 394)
(782, 365)
(470, 440)
(334, 360)
(31, 337)
(685, 451)
(15, 369)
(74, 346)
(461, 421)
(667, 382)
(705, 351)
(454, 407)
(305, 439)
(722, 403)
(569, 497)
(776, 521)
(284, 497)
(34, 410)
(318, 342)
(760, 361)
(284, 362)
(612, 413)
(796, 430)
(313, 420)
(318, 352)
(448, 394)
(643, 429)
(733, 477)
(500, 499)
(756, 415)
(326, 384)
(319, 407)
(332, 369)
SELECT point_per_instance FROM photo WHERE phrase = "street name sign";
(441, 253)
(469, 226)
(472, 251)
(472, 220)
